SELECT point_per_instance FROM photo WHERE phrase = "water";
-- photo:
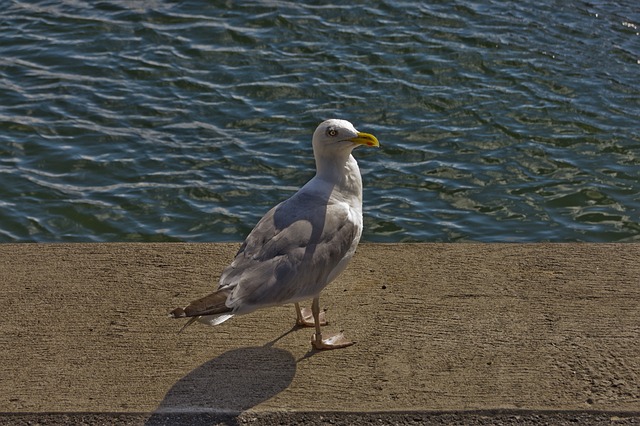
(165, 121)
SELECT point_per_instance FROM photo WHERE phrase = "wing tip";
(177, 313)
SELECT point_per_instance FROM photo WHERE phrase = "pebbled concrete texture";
(491, 331)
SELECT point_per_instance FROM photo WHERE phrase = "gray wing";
(291, 252)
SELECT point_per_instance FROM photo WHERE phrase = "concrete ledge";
(508, 329)
(489, 417)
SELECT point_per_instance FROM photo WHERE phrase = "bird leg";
(330, 341)
(304, 317)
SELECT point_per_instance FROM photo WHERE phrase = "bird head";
(340, 136)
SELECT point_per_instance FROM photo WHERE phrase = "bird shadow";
(224, 387)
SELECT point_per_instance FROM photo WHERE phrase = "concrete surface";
(446, 334)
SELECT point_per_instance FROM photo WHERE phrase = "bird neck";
(342, 174)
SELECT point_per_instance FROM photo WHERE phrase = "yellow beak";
(365, 139)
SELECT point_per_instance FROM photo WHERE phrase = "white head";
(339, 136)
(333, 142)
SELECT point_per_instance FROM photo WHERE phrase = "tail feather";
(188, 323)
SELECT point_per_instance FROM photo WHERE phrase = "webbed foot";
(330, 341)
(304, 317)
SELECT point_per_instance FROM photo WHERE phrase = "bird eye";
(332, 132)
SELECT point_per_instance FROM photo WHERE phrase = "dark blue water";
(147, 121)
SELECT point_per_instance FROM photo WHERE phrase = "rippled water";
(162, 120)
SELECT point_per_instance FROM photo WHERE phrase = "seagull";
(300, 245)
